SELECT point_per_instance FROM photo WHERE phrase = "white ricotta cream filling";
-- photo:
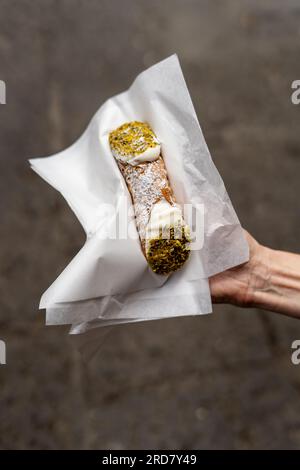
(162, 217)
(149, 155)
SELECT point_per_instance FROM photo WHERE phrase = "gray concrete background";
(223, 381)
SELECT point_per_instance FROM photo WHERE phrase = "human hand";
(269, 280)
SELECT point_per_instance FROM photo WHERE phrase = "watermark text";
(295, 96)
(2, 92)
(164, 222)
(2, 352)
(295, 357)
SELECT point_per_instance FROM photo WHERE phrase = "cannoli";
(163, 233)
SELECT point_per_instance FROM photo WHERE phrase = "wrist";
(275, 281)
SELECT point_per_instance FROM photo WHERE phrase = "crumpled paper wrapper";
(109, 281)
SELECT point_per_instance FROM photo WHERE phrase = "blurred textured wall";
(223, 381)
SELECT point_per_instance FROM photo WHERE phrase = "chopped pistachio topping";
(132, 139)
(166, 255)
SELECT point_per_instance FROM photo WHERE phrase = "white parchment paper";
(110, 280)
